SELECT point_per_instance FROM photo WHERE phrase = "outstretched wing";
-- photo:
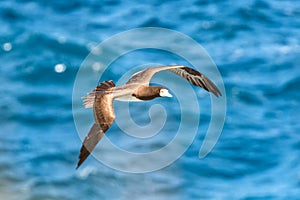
(193, 76)
(94, 136)
(104, 117)
(196, 78)
(143, 77)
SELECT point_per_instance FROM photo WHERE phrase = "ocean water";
(254, 43)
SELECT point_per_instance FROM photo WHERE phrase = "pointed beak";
(168, 95)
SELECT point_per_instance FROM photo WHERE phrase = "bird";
(137, 88)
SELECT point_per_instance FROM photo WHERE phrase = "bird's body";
(136, 89)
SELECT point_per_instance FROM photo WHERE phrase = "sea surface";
(256, 47)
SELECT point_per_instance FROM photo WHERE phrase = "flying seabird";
(136, 89)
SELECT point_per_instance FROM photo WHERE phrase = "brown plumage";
(136, 89)
(193, 76)
(104, 117)
(147, 92)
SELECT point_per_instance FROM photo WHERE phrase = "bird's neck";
(147, 92)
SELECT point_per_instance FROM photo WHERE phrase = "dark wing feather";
(104, 117)
(196, 78)
(94, 136)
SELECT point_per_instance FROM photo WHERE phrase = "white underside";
(127, 98)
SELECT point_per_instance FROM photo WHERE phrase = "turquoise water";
(255, 45)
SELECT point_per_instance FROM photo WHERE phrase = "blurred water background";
(256, 46)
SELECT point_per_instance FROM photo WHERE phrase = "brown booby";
(136, 89)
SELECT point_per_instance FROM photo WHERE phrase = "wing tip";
(82, 156)
(211, 87)
(217, 93)
(215, 90)
(79, 164)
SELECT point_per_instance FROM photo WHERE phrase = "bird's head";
(164, 92)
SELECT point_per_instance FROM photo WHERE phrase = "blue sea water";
(254, 43)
